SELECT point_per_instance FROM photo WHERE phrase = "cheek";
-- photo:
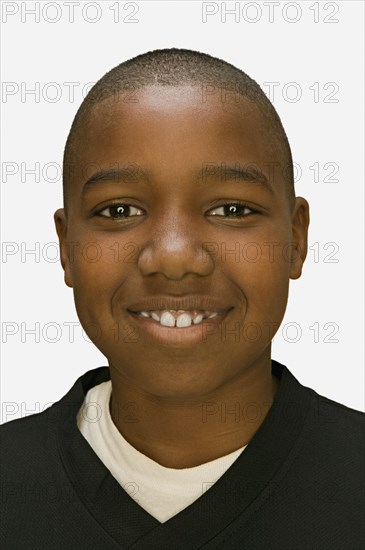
(272, 295)
(94, 286)
(98, 264)
(262, 273)
(96, 274)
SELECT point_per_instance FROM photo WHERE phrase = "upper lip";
(186, 303)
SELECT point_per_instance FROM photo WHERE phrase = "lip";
(187, 303)
(181, 336)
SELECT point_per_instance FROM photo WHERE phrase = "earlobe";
(299, 249)
(60, 220)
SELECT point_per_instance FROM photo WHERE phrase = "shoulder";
(23, 441)
(333, 411)
(336, 429)
(30, 443)
(24, 427)
(330, 432)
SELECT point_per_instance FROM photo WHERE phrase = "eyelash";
(240, 204)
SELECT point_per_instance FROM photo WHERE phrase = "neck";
(180, 434)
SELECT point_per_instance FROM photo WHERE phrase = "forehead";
(180, 108)
(175, 126)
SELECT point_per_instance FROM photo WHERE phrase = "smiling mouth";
(182, 332)
(178, 318)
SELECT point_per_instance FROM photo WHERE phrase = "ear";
(299, 249)
(60, 220)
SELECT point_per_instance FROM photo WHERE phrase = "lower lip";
(180, 335)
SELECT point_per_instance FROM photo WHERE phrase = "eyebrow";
(121, 174)
(133, 173)
(248, 173)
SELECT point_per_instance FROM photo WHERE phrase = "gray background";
(324, 124)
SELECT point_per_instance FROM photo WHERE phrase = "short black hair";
(176, 67)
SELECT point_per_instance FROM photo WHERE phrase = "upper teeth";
(184, 319)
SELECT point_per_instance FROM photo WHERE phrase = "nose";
(174, 248)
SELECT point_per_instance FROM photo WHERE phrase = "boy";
(198, 438)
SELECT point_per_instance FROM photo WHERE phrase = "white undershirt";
(161, 491)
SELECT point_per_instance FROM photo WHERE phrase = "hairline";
(117, 79)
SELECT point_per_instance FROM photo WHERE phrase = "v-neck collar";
(231, 496)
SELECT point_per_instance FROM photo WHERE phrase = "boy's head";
(213, 78)
(179, 195)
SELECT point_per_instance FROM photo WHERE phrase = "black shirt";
(298, 485)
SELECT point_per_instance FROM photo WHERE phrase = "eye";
(119, 211)
(235, 210)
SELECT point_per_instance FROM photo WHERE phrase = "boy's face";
(174, 146)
